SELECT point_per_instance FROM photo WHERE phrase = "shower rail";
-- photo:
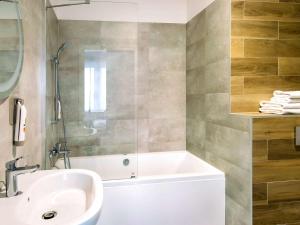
(87, 2)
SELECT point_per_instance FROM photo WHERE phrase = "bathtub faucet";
(58, 150)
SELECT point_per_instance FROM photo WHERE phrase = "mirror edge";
(17, 73)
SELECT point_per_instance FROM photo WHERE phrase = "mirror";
(11, 46)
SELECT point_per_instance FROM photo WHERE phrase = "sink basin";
(55, 197)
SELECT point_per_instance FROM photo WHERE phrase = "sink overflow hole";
(49, 215)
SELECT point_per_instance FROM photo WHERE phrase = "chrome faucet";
(12, 173)
(58, 150)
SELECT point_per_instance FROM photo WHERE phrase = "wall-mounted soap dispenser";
(20, 114)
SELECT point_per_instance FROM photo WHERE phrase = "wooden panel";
(260, 48)
(289, 66)
(266, 57)
(265, 42)
(237, 47)
(260, 196)
(254, 29)
(274, 128)
(237, 8)
(275, 214)
(266, 85)
(272, 11)
(272, 48)
(283, 149)
(278, 170)
(292, 1)
(254, 66)
(289, 30)
(237, 85)
(247, 103)
(284, 191)
(262, 0)
(260, 150)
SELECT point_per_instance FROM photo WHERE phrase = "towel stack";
(282, 102)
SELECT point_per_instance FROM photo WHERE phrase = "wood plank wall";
(276, 172)
(265, 50)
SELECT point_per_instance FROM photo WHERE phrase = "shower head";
(59, 51)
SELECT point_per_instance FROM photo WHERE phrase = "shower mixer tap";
(58, 150)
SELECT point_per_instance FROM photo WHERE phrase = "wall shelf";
(262, 115)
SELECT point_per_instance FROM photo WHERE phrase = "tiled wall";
(212, 133)
(161, 87)
(52, 46)
(145, 87)
(30, 88)
(276, 171)
(265, 50)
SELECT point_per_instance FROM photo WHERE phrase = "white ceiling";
(196, 6)
(161, 11)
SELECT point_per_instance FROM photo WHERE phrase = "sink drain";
(49, 215)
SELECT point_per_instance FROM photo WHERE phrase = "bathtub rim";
(213, 174)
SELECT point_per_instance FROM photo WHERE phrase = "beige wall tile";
(237, 8)
(289, 66)
(271, 11)
(260, 194)
(283, 149)
(254, 29)
(211, 132)
(272, 48)
(276, 170)
(237, 85)
(274, 128)
(282, 213)
(289, 30)
(284, 191)
(247, 103)
(254, 66)
(266, 85)
(260, 150)
(237, 47)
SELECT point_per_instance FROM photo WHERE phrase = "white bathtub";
(169, 188)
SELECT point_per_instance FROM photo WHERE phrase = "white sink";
(73, 197)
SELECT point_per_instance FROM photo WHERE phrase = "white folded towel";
(289, 94)
(284, 105)
(265, 103)
(282, 102)
(279, 111)
(292, 106)
(285, 100)
(271, 111)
